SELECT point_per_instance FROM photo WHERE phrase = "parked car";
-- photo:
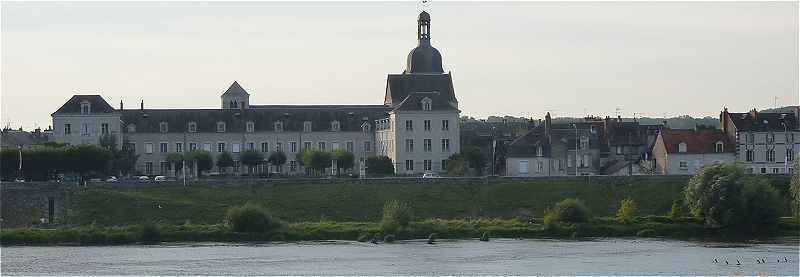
(112, 179)
(19, 180)
(144, 178)
(160, 179)
(430, 175)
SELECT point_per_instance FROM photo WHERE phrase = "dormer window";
(250, 126)
(220, 127)
(539, 151)
(131, 128)
(335, 126)
(307, 126)
(278, 126)
(86, 107)
(163, 127)
(365, 127)
(682, 147)
(192, 127)
(718, 147)
(427, 103)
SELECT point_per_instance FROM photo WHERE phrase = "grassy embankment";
(349, 210)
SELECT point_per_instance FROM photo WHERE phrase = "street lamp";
(19, 169)
(574, 125)
(786, 155)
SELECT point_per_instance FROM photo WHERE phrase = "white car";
(19, 180)
(144, 178)
(430, 175)
(160, 179)
(112, 179)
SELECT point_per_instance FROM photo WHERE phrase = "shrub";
(251, 218)
(380, 165)
(676, 211)
(550, 218)
(389, 238)
(761, 204)
(627, 211)
(150, 233)
(646, 233)
(396, 215)
(571, 210)
(714, 193)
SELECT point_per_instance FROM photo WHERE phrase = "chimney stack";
(723, 120)
(120, 105)
(142, 106)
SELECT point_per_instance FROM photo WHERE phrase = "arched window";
(719, 147)
(427, 104)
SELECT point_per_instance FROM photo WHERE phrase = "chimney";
(142, 106)
(664, 123)
(120, 105)
(754, 114)
(723, 119)
(547, 125)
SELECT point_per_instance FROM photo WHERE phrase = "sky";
(507, 58)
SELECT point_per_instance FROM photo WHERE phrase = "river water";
(446, 257)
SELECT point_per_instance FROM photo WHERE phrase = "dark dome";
(424, 59)
(424, 16)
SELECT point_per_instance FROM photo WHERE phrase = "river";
(446, 257)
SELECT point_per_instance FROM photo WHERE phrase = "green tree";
(224, 160)
(475, 159)
(317, 160)
(380, 165)
(456, 165)
(123, 159)
(277, 158)
(84, 159)
(761, 204)
(627, 211)
(676, 211)
(202, 160)
(251, 159)
(251, 218)
(396, 215)
(571, 210)
(344, 160)
(176, 159)
(715, 193)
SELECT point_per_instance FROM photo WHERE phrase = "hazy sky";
(519, 58)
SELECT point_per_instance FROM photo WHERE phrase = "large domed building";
(416, 126)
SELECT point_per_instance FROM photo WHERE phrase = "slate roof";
(527, 144)
(73, 105)
(400, 86)
(235, 90)
(413, 102)
(701, 141)
(763, 122)
(350, 117)
(9, 138)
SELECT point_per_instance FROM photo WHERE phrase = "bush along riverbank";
(651, 226)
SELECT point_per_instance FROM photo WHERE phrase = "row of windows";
(221, 127)
(427, 165)
(427, 145)
(768, 138)
(166, 167)
(237, 147)
(85, 130)
(426, 125)
(769, 155)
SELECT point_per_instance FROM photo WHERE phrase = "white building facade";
(767, 143)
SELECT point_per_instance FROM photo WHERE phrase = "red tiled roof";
(699, 141)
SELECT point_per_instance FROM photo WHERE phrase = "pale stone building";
(683, 152)
(766, 143)
(416, 126)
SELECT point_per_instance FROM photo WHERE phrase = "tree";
(224, 160)
(456, 165)
(83, 159)
(202, 159)
(123, 159)
(277, 158)
(380, 165)
(251, 159)
(795, 188)
(714, 193)
(316, 159)
(676, 211)
(176, 159)
(344, 159)
(627, 211)
(571, 210)
(761, 204)
(396, 215)
(474, 158)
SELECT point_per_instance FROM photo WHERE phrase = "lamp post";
(494, 146)
(19, 169)
(786, 155)
(574, 125)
